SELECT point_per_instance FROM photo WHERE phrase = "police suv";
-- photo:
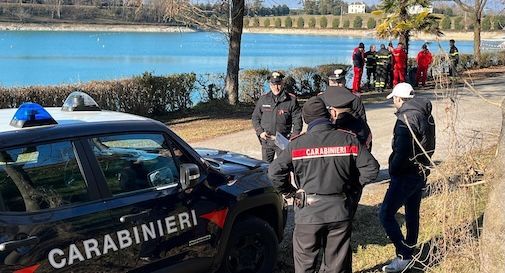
(86, 190)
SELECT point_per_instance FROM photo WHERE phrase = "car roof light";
(80, 101)
(31, 114)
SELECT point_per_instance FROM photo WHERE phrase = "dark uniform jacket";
(358, 58)
(277, 114)
(331, 166)
(347, 121)
(403, 159)
(383, 57)
(371, 59)
(454, 55)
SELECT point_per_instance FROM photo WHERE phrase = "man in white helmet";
(408, 171)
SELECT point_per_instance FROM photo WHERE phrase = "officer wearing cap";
(326, 163)
(340, 106)
(407, 169)
(276, 111)
(336, 82)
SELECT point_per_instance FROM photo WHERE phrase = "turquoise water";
(40, 58)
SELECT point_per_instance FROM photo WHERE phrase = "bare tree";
(235, 37)
(476, 10)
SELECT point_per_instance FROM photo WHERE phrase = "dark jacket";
(454, 54)
(383, 57)
(331, 166)
(407, 157)
(277, 114)
(348, 122)
(358, 58)
(371, 59)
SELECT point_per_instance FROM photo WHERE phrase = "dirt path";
(476, 120)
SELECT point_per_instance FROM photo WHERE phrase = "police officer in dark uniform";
(336, 83)
(383, 64)
(326, 164)
(371, 64)
(276, 111)
(454, 58)
(339, 105)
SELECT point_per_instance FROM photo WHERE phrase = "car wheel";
(252, 248)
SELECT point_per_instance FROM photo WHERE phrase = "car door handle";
(11, 245)
(134, 216)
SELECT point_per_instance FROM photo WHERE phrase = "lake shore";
(8, 26)
(91, 27)
(456, 35)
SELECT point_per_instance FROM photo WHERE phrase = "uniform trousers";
(421, 75)
(356, 83)
(269, 150)
(399, 75)
(370, 73)
(404, 190)
(382, 77)
(334, 239)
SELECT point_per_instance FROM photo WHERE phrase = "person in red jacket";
(358, 60)
(400, 64)
(424, 59)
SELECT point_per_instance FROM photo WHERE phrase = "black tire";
(252, 248)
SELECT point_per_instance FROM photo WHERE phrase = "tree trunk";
(493, 235)
(476, 39)
(237, 24)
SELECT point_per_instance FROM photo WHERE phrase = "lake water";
(41, 58)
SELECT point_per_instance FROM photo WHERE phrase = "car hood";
(230, 163)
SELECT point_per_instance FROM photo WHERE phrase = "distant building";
(418, 9)
(357, 7)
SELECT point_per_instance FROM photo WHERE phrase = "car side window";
(38, 177)
(132, 162)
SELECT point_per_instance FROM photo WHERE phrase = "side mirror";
(190, 173)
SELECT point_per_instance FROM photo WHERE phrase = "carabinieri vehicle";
(86, 190)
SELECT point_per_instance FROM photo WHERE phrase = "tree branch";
(464, 6)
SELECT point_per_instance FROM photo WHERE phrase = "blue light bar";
(31, 114)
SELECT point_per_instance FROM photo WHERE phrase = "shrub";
(486, 23)
(357, 22)
(306, 80)
(246, 22)
(266, 22)
(288, 23)
(335, 23)
(145, 95)
(277, 22)
(445, 24)
(458, 23)
(371, 23)
(347, 23)
(252, 84)
(256, 22)
(323, 22)
(300, 22)
(312, 22)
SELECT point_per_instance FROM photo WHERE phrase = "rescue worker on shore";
(383, 63)
(336, 82)
(391, 73)
(400, 64)
(424, 60)
(276, 111)
(327, 164)
(371, 63)
(358, 60)
(454, 58)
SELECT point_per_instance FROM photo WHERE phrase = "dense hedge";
(145, 95)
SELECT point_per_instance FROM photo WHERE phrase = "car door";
(156, 224)
(49, 210)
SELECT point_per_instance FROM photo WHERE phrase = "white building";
(418, 9)
(357, 7)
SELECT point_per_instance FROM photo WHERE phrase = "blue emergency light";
(31, 114)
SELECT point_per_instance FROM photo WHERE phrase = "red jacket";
(400, 58)
(424, 58)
